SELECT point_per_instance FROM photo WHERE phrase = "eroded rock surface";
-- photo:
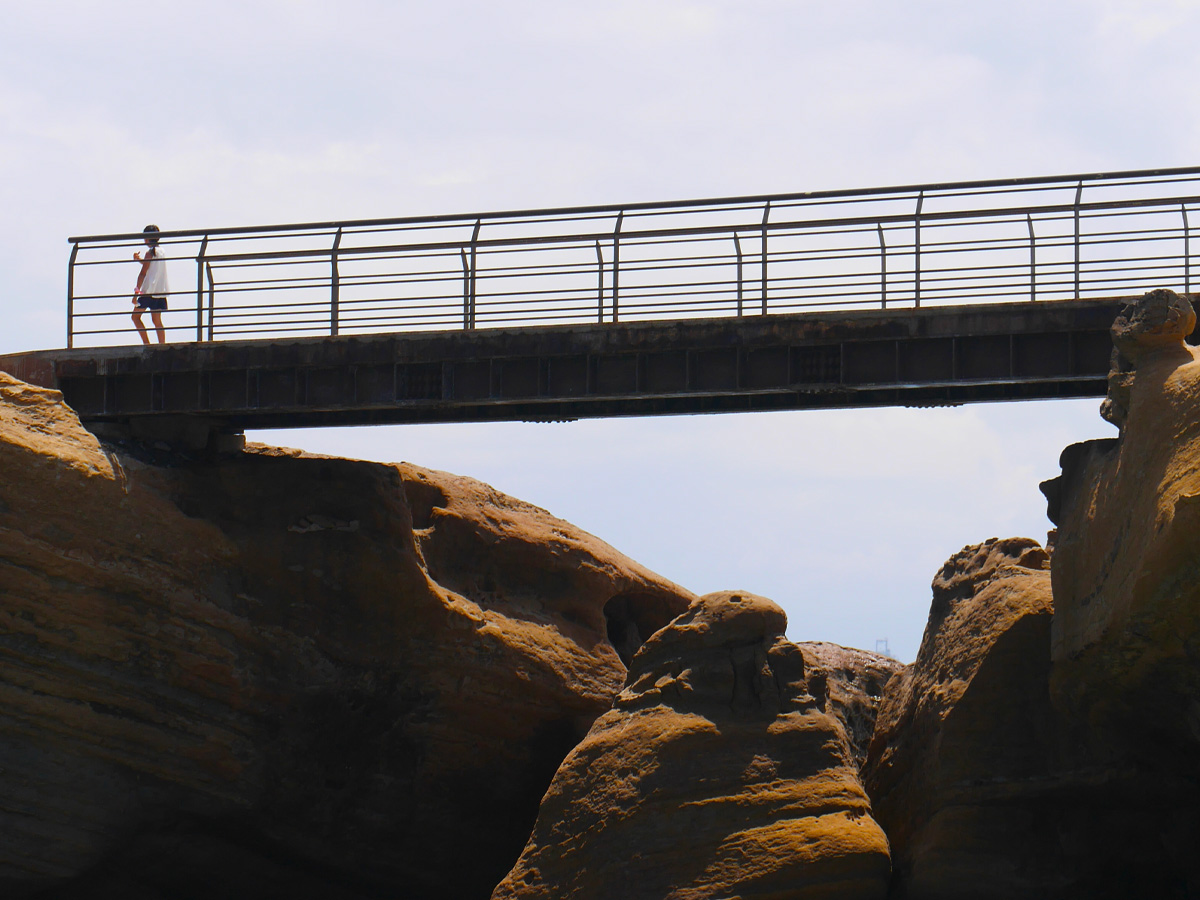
(1051, 749)
(849, 685)
(957, 767)
(1153, 329)
(1125, 641)
(716, 774)
(284, 675)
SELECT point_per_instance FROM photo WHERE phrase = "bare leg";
(137, 321)
(156, 317)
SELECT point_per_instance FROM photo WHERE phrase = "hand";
(137, 256)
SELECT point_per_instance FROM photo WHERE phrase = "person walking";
(152, 289)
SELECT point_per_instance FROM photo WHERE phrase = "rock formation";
(1152, 329)
(849, 684)
(1044, 748)
(958, 764)
(275, 674)
(1125, 641)
(716, 774)
(279, 674)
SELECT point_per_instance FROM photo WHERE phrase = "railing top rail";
(701, 230)
(944, 189)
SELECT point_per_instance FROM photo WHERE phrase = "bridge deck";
(932, 356)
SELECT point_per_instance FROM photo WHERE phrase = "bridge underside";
(934, 356)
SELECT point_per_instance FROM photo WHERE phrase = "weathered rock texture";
(1041, 749)
(957, 767)
(1125, 641)
(716, 774)
(284, 675)
(1152, 329)
(849, 685)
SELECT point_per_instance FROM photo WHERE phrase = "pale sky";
(114, 114)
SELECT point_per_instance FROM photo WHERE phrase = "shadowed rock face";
(848, 684)
(1052, 750)
(280, 674)
(962, 744)
(716, 774)
(1125, 642)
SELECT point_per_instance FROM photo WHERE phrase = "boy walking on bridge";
(152, 289)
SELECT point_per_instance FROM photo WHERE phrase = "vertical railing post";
(737, 246)
(1032, 258)
(882, 267)
(599, 284)
(470, 317)
(335, 285)
(71, 296)
(1078, 197)
(1187, 252)
(212, 300)
(616, 267)
(917, 251)
(466, 267)
(766, 216)
(200, 289)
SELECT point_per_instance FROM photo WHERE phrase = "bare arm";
(145, 268)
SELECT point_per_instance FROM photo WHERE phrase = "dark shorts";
(157, 304)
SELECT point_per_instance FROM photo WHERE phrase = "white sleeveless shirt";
(155, 282)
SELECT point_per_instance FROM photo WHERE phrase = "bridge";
(916, 295)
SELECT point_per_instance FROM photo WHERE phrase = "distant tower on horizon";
(882, 648)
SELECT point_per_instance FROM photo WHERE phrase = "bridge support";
(192, 434)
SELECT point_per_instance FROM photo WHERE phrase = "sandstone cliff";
(1049, 747)
(716, 774)
(1125, 641)
(276, 674)
(279, 674)
(958, 765)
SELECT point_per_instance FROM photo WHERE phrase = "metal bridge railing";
(1032, 239)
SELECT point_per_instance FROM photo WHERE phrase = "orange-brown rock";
(849, 684)
(1154, 327)
(284, 675)
(716, 774)
(1125, 642)
(1051, 749)
(957, 766)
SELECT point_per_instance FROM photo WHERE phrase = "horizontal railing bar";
(585, 243)
(235, 287)
(685, 289)
(776, 199)
(585, 240)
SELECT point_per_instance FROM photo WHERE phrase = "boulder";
(282, 674)
(716, 774)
